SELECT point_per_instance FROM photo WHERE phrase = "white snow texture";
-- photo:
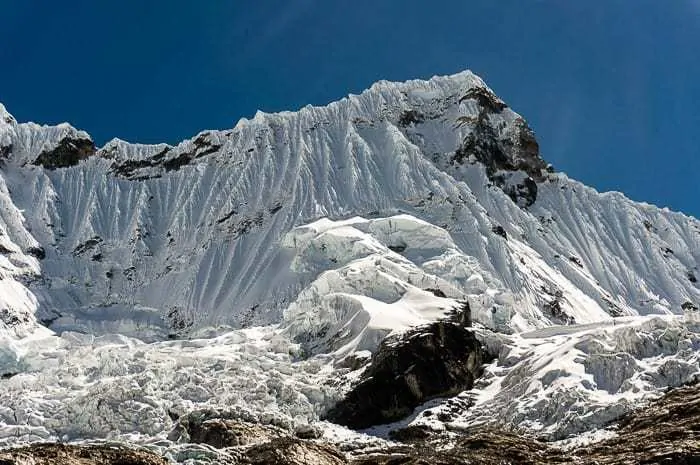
(295, 239)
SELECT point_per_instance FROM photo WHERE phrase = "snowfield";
(244, 270)
(564, 381)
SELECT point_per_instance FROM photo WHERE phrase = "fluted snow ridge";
(164, 240)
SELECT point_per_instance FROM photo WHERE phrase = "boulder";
(435, 360)
(203, 427)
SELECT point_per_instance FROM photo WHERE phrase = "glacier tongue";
(314, 234)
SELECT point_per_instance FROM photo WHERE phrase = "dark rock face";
(486, 99)
(520, 153)
(87, 246)
(69, 152)
(437, 292)
(512, 152)
(410, 117)
(5, 152)
(523, 193)
(13, 318)
(553, 309)
(411, 434)
(37, 252)
(498, 229)
(439, 359)
(62, 454)
(165, 160)
(688, 306)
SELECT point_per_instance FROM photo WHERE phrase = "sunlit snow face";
(190, 238)
(322, 231)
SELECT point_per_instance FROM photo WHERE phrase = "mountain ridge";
(443, 130)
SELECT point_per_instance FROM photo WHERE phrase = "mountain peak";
(461, 80)
(6, 117)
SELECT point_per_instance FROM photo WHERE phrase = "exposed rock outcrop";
(69, 152)
(439, 359)
(486, 99)
(289, 451)
(512, 158)
(167, 159)
(201, 428)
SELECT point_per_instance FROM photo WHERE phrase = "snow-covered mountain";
(195, 234)
(332, 227)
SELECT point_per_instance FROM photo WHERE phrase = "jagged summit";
(379, 102)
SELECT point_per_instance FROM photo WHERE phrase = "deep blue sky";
(611, 87)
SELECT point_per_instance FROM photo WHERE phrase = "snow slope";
(330, 227)
(559, 382)
(195, 230)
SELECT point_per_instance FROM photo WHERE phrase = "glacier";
(242, 270)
